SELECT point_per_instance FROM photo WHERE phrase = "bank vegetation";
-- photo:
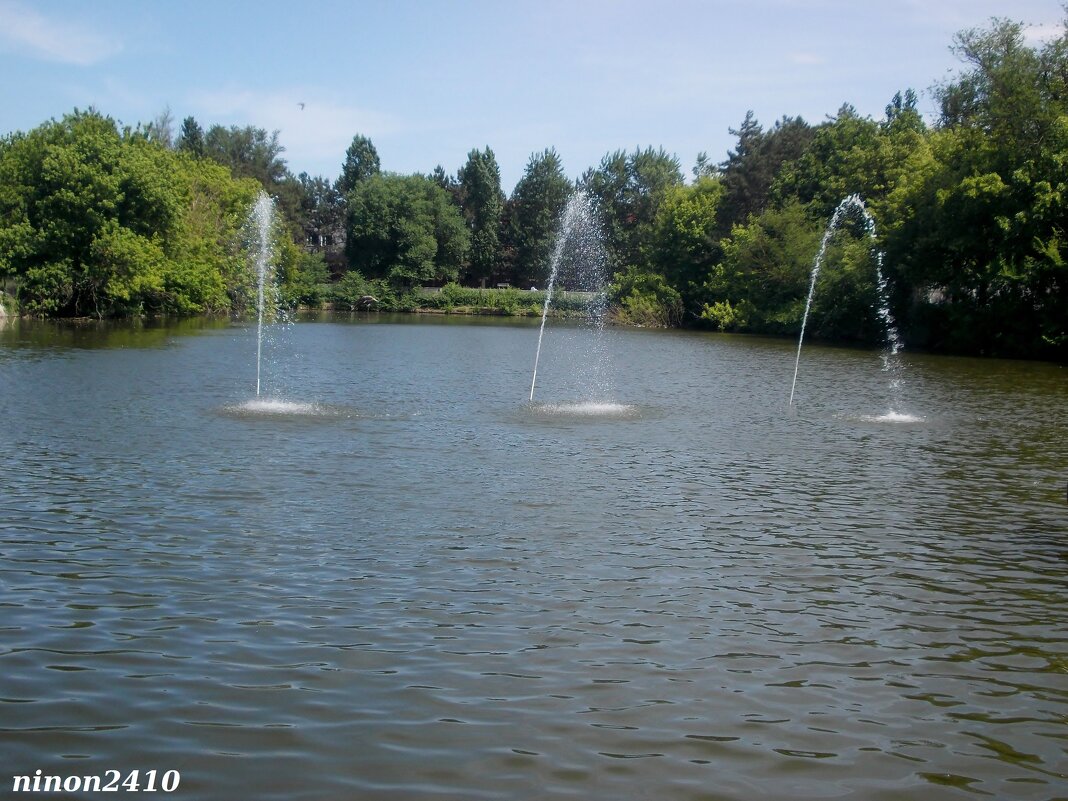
(104, 220)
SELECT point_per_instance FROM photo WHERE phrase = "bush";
(306, 281)
(352, 287)
(646, 299)
(725, 317)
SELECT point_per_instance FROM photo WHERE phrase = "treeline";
(100, 219)
(970, 212)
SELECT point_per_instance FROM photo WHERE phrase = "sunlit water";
(400, 580)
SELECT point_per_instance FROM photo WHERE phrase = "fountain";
(260, 221)
(579, 256)
(258, 233)
(854, 204)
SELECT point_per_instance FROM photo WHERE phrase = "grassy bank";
(454, 299)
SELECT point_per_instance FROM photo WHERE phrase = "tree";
(704, 167)
(1012, 92)
(844, 157)
(751, 168)
(759, 285)
(67, 232)
(404, 228)
(191, 137)
(684, 242)
(322, 217)
(534, 216)
(249, 152)
(987, 243)
(361, 162)
(94, 222)
(483, 202)
(628, 189)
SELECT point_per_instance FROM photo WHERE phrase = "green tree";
(684, 242)
(535, 209)
(985, 246)
(67, 229)
(646, 299)
(628, 190)
(404, 229)
(322, 218)
(751, 168)
(483, 203)
(95, 222)
(191, 137)
(249, 152)
(761, 282)
(209, 271)
(361, 162)
(840, 159)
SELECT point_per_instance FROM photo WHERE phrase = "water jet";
(260, 223)
(853, 204)
(579, 256)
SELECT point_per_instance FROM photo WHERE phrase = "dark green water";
(409, 584)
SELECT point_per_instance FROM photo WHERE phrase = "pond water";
(392, 578)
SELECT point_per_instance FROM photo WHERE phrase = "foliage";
(760, 283)
(482, 202)
(971, 214)
(361, 162)
(684, 243)
(751, 168)
(646, 299)
(404, 229)
(210, 265)
(95, 222)
(536, 207)
(251, 152)
(191, 137)
(305, 279)
(454, 298)
(980, 231)
(322, 218)
(248, 151)
(628, 190)
(352, 288)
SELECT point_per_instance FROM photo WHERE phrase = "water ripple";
(710, 600)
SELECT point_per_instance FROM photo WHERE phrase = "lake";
(396, 578)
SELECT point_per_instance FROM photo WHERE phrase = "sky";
(430, 80)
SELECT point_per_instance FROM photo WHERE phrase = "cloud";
(315, 129)
(25, 30)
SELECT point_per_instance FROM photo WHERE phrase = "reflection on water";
(99, 334)
(448, 594)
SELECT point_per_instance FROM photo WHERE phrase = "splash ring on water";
(606, 410)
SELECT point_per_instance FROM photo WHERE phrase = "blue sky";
(429, 80)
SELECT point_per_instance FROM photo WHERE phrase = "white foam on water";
(277, 406)
(587, 409)
(892, 417)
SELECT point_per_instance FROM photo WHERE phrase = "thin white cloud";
(25, 30)
(315, 129)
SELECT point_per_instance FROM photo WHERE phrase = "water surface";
(391, 577)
